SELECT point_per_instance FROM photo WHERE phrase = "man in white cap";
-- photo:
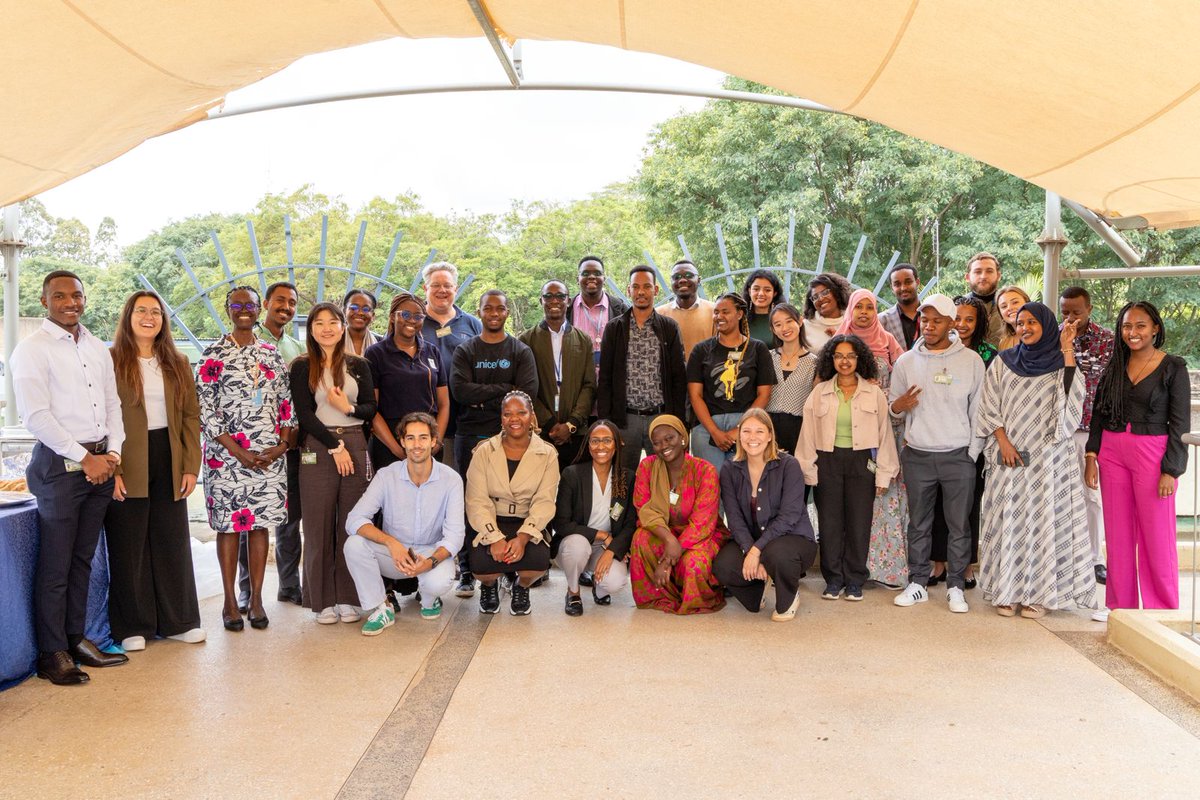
(935, 390)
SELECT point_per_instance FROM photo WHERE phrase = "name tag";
(616, 511)
(735, 356)
(673, 497)
(443, 332)
(72, 466)
(944, 378)
(871, 465)
(258, 398)
(432, 365)
(308, 457)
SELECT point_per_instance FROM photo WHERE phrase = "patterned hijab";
(875, 336)
(656, 513)
(1044, 355)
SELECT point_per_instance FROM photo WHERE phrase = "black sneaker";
(853, 593)
(574, 605)
(489, 598)
(520, 600)
(832, 590)
(466, 586)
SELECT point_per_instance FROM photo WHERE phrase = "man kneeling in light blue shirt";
(423, 526)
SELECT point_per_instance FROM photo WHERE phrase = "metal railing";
(1193, 440)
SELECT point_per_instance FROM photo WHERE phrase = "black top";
(712, 361)
(405, 383)
(612, 383)
(482, 374)
(575, 509)
(780, 509)
(306, 402)
(909, 326)
(1160, 404)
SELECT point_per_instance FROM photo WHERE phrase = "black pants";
(785, 559)
(153, 587)
(464, 447)
(787, 430)
(940, 529)
(566, 452)
(287, 538)
(536, 558)
(845, 496)
(70, 515)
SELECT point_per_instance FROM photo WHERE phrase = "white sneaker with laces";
(913, 593)
(328, 616)
(958, 603)
(133, 643)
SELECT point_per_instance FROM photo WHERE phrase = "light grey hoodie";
(944, 418)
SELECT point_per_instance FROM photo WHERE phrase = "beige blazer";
(531, 494)
(871, 429)
(183, 423)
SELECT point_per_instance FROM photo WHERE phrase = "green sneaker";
(380, 618)
(432, 613)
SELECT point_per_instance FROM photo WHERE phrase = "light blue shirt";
(429, 515)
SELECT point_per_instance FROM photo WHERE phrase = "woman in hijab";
(1034, 552)
(679, 531)
(887, 560)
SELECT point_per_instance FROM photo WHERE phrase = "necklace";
(1142, 371)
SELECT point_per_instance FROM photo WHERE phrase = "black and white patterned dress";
(1034, 547)
(243, 392)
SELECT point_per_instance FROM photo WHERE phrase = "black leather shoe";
(601, 601)
(258, 623)
(1101, 574)
(233, 623)
(574, 605)
(89, 655)
(970, 583)
(59, 669)
(934, 580)
(290, 596)
(587, 579)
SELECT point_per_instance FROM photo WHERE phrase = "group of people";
(671, 447)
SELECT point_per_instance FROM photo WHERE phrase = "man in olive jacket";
(566, 374)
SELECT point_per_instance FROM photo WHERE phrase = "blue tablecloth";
(18, 560)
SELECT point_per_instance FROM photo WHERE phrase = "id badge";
(871, 465)
(616, 511)
(308, 457)
(555, 403)
(258, 398)
(944, 378)
(674, 498)
(72, 466)
(443, 332)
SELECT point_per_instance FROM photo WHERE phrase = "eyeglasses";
(354, 308)
(601, 441)
(152, 312)
(685, 276)
(554, 296)
(591, 273)
(411, 316)
(817, 296)
(243, 306)
(440, 286)
(845, 356)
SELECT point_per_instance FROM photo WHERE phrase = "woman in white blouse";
(795, 375)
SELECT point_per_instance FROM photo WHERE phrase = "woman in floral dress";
(679, 530)
(247, 422)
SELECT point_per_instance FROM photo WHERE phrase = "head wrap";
(874, 336)
(1044, 355)
(656, 513)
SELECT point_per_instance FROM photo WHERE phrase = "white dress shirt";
(67, 391)
(600, 519)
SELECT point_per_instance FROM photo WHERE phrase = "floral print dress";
(887, 560)
(243, 392)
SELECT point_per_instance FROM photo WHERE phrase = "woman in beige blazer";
(153, 588)
(512, 488)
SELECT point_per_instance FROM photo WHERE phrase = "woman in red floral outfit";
(247, 423)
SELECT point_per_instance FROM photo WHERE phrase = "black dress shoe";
(601, 601)
(233, 623)
(574, 605)
(587, 579)
(89, 655)
(60, 669)
(290, 596)
(934, 580)
(1101, 574)
(258, 623)
(970, 583)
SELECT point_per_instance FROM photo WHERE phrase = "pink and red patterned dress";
(243, 392)
(696, 521)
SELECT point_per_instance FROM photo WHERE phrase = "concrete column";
(10, 247)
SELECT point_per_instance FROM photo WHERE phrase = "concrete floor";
(848, 700)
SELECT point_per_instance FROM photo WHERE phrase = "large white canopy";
(1095, 100)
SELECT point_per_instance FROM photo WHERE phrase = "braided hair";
(397, 301)
(245, 288)
(619, 489)
(523, 396)
(1110, 392)
(739, 304)
(981, 315)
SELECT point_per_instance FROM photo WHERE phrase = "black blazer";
(614, 367)
(574, 508)
(1169, 412)
(306, 403)
(781, 510)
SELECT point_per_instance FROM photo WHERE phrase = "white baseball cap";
(940, 303)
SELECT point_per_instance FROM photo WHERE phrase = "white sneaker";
(913, 593)
(194, 636)
(328, 616)
(1099, 615)
(348, 613)
(134, 643)
(790, 613)
(958, 603)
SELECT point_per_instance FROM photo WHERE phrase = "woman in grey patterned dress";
(247, 422)
(1034, 550)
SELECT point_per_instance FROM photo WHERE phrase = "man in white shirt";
(67, 398)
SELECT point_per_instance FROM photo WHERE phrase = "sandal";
(1006, 611)
(1033, 612)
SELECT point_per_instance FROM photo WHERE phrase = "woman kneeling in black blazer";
(595, 520)
(762, 490)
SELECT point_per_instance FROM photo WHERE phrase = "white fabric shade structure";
(1096, 101)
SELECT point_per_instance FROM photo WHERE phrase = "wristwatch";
(115, 455)
(434, 560)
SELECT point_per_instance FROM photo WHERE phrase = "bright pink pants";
(1139, 526)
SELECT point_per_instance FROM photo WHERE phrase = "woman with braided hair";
(512, 486)
(727, 374)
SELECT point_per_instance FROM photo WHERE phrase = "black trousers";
(845, 495)
(153, 587)
(787, 430)
(287, 538)
(464, 447)
(785, 559)
(536, 558)
(70, 515)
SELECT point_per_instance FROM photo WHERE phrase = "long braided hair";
(1110, 392)
(397, 301)
(733, 366)
(981, 316)
(524, 396)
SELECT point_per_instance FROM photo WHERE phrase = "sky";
(459, 152)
